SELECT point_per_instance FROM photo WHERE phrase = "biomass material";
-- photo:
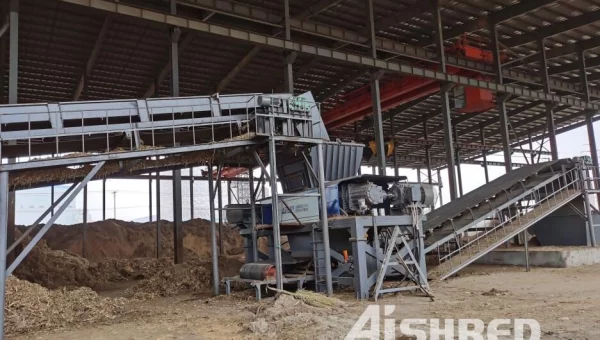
(31, 307)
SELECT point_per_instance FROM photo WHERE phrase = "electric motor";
(406, 194)
(362, 196)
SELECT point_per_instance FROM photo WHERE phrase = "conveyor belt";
(471, 203)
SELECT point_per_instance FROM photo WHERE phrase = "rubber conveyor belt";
(495, 191)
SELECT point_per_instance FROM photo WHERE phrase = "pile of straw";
(173, 279)
(31, 307)
(313, 299)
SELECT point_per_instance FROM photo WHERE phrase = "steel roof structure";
(106, 49)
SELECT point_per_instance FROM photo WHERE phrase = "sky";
(130, 197)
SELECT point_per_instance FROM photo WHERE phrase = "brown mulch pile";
(128, 240)
(158, 277)
(116, 251)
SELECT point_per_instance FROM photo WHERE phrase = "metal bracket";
(175, 34)
(290, 58)
(377, 75)
(446, 87)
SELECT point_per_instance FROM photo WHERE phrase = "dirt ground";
(566, 302)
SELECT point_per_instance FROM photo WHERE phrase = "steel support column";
(532, 155)
(394, 155)
(219, 192)
(263, 190)
(229, 193)
(3, 45)
(191, 193)
(590, 234)
(427, 151)
(324, 222)
(458, 169)
(551, 131)
(288, 58)
(85, 221)
(150, 199)
(375, 93)
(549, 106)
(253, 213)
(484, 152)
(158, 231)
(177, 204)
(4, 206)
(593, 151)
(104, 199)
(501, 98)
(589, 122)
(275, 209)
(13, 68)
(52, 199)
(213, 231)
(13, 78)
(177, 219)
(583, 74)
(526, 244)
(445, 100)
(440, 187)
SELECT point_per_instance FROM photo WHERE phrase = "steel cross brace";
(34, 241)
(39, 220)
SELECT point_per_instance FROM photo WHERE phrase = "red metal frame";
(395, 92)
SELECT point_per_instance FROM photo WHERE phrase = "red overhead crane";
(397, 91)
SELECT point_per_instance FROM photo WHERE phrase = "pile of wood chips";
(31, 307)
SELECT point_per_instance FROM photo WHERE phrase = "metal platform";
(116, 126)
(136, 136)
